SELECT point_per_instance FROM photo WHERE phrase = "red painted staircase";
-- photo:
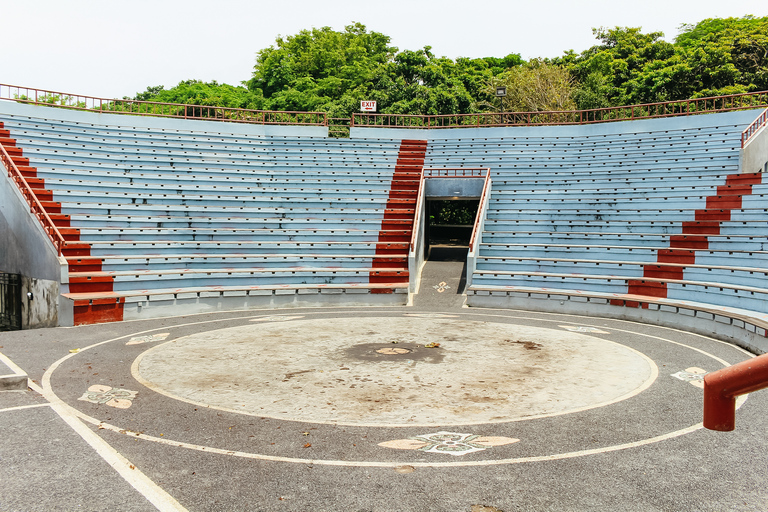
(77, 253)
(682, 248)
(391, 263)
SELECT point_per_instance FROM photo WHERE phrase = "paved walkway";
(433, 407)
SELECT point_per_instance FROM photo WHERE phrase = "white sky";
(116, 48)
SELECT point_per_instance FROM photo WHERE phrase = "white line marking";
(22, 407)
(47, 380)
(138, 480)
(10, 364)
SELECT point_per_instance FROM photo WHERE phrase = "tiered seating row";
(657, 214)
(150, 212)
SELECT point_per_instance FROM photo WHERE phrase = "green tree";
(537, 86)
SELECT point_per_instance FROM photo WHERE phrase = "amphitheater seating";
(152, 213)
(644, 216)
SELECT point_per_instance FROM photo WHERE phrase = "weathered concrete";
(27, 250)
(754, 155)
(454, 188)
(384, 371)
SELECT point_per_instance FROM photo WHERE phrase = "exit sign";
(368, 106)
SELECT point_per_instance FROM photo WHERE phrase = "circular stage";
(395, 371)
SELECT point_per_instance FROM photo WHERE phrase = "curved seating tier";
(148, 212)
(659, 215)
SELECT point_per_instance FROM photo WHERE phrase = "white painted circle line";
(130, 473)
(49, 393)
(157, 389)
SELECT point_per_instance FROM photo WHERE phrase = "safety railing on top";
(457, 172)
(34, 204)
(752, 129)
(567, 117)
(156, 109)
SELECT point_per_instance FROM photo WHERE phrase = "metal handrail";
(675, 108)
(723, 386)
(456, 172)
(752, 129)
(34, 203)
(417, 213)
(157, 109)
(480, 211)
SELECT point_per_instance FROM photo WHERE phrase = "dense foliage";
(330, 71)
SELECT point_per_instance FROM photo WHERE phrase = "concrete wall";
(163, 123)
(25, 249)
(744, 117)
(754, 156)
(448, 188)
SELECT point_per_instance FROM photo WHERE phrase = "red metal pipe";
(723, 386)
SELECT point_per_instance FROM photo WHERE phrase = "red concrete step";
(751, 178)
(390, 263)
(70, 234)
(413, 142)
(85, 264)
(27, 171)
(51, 206)
(718, 215)
(688, 242)
(19, 160)
(60, 220)
(662, 272)
(401, 201)
(701, 228)
(98, 311)
(389, 273)
(681, 257)
(13, 150)
(44, 195)
(724, 202)
(6, 140)
(388, 247)
(739, 188)
(649, 288)
(90, 284)
(74, 249)
(35, 183)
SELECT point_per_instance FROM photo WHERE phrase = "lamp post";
(501, 92)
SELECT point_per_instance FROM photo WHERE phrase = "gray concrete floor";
(178, 442)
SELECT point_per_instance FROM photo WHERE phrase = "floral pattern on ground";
(107, 395)
(138, 340)
(451, 443)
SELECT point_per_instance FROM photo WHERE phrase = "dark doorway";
(449, 224)
(10, 302)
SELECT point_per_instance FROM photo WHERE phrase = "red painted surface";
(98, 311)
(723, 386)
(683, 247)
(77, 253)
(397, 224)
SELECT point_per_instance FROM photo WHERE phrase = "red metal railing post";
(723, 386)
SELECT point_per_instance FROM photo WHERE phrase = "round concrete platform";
(612, 420)
(390, 371)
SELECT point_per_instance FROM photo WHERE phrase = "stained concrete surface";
(643, 453)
